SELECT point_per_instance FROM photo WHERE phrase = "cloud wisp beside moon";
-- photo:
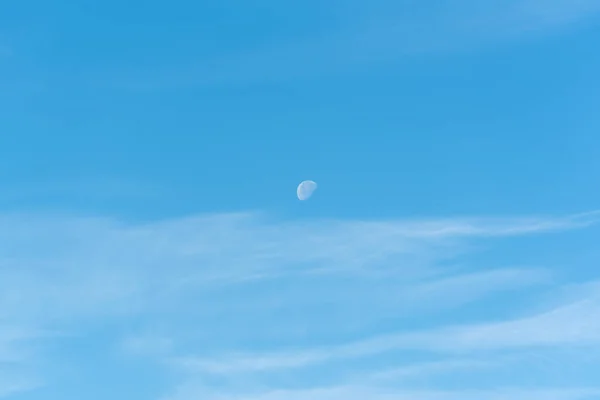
(306, 189)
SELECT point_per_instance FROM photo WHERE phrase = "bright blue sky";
(152, 247)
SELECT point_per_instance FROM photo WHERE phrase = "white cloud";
(574, 324)
(11, 385)
(439, 294)
(198, 292)
(361, 393)
(15, 357)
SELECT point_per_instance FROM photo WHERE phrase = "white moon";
(306, 189)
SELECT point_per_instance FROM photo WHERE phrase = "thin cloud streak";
(203, 275)
(438, 293)
(573, 324)
(375, 393)
(126, 263)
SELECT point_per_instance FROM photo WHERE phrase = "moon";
(306, 189)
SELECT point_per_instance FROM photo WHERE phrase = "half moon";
(306, 189)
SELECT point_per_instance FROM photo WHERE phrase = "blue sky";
(152, 246)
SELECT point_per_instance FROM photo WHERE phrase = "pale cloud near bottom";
(362, 393)
(574, 324)
(244, 306)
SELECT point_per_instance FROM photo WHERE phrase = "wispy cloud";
(244, 298)
(573, 324)
(11, 385)
(16, 355)
(360, 393)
